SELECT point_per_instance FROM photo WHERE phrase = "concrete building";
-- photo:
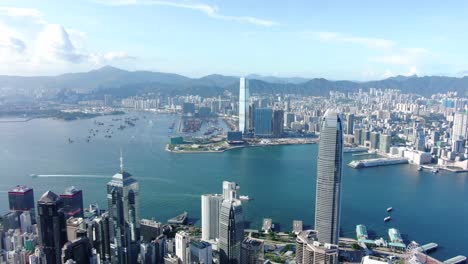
(210, 208)
(329, 166)
(252, 251)
(349, 124)
(182, 240)
(385, 143)
(460, 126)
(201, 252)
(244, 106)
(278, 123)
(311, 251)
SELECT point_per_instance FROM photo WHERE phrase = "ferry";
(389, 209)
(244, 198)
(388, 218)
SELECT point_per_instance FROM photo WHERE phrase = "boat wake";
(71, 176)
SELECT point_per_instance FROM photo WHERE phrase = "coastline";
(239, 146)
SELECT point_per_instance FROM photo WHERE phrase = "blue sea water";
(280, 179)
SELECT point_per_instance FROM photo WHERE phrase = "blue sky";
(356, 40)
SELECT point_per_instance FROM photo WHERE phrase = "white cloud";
(209, 10)
(101, 59)
(324, 36)
(387, 74)
(53, 44)
(28, 13)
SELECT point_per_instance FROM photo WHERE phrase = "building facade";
(244, 106)
(329, 166)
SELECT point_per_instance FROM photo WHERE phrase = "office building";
(375, 140)
(263, 122)
(210, 208)
(349, 124)
(252, 251)
(182, 240)
(385, 143)
(149, 230)
(244, 106)
(148, 253)
(78, 250)
(74, 225)
(310, 251)
(201, 252)
(20, 199)
(124, 218)
(460, 126)
(278, 123)
(357, 136)
(51, 226)
(231, 227)
(329, 166)
(72, 202)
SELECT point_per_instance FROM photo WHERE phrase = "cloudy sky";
(356, 40)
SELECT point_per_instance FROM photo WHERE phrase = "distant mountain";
(274, 79)
(118, 82)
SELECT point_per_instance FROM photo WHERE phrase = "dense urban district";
(395, 127)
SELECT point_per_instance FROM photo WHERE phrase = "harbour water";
(281, 179)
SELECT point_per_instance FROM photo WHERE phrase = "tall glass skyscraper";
(329, 165)
(124, 214)
(244, 106)
(231, 225)
(263, 122)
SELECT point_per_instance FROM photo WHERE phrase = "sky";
(339, 40)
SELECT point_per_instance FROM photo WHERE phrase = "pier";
(456, 260)
(367, 163)
(428, 247)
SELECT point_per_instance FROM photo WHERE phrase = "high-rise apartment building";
(210, 208)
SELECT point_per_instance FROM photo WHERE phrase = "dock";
(456, 260)
(367, 163)
(428, 247)
(179, 220)
(395, 238)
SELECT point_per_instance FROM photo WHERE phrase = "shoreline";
(236, 147)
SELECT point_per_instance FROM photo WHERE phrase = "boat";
(33, 175)
(244, 198)
(179, 220)
(420, 168)
(388, 218)
(435, 170)
(389, 209)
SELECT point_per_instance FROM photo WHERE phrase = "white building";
(182, 240)
(210, 208)
(244, 105)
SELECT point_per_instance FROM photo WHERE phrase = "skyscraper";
(51, 226)
(73, 202)
(385, 142)
(263, 122)
(244, 105)
(349, 124)
(210, 207)
(20, 199)
(460, 126)
(278, 123)
(182, 240)
(78, 250)
(124, 215)
(329, 165)
(231, 226)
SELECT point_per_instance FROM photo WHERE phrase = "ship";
(420, 168)
(179, 220)
(244, 198)
(389, 209)
(388, 218)
(33, 175)
(366, 163)
(435, 170)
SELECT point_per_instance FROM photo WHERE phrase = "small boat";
(389, 209)
(33, 175)
(244, 198)
(420, 168)
(388, 218)
(435, 170)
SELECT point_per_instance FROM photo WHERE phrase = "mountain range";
(122, 83)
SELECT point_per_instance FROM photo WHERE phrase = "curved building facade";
(329, 166)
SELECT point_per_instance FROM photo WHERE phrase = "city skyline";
(37, 33)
